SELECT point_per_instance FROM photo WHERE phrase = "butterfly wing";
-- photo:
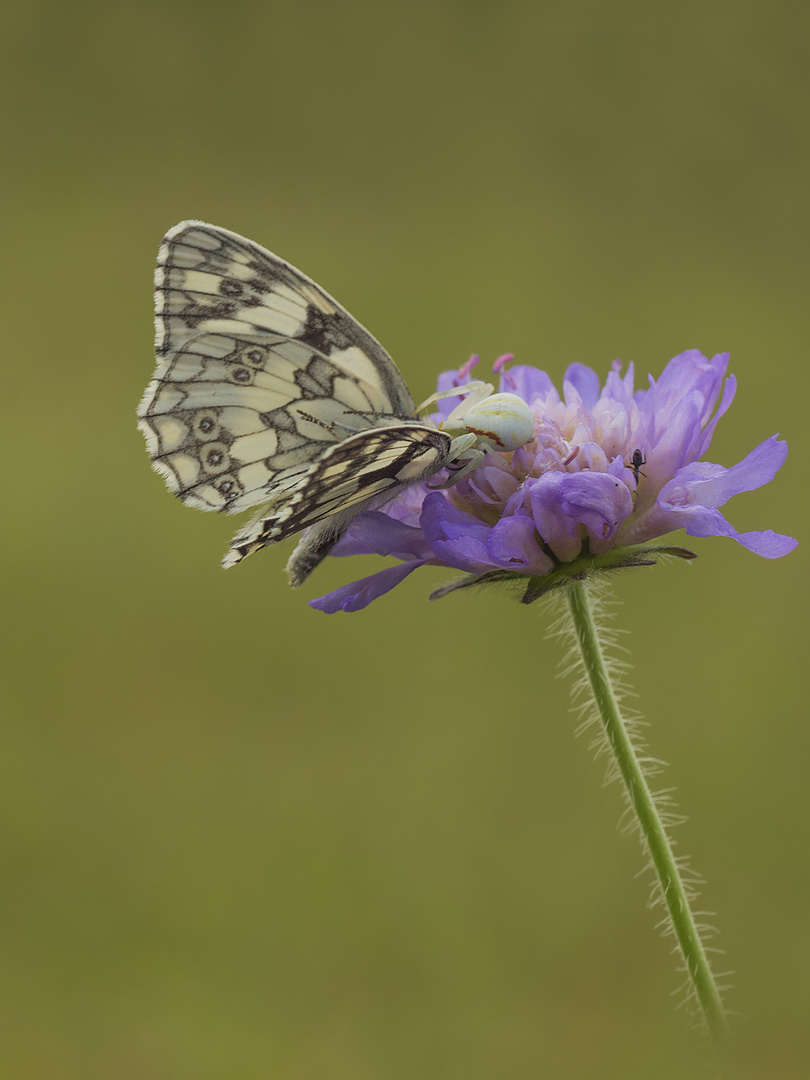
(367, 468)
(259, 372)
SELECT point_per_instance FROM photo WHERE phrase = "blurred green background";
(244, 839)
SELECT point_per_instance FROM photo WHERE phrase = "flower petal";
(618, 387)
(688, 372)
(690, 500)
(513, 545)
(707, 521)
(458, 539)
(677, 408)
(359, 594)
(585, 382)
(527, 382)
(711, 485)
(600, 502)
(374, 533)
(560, 532)
(729, 390)
(675, 434)
(563, 502)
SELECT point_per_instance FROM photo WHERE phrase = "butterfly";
(267, 393)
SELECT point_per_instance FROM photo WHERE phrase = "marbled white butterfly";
(268, 393)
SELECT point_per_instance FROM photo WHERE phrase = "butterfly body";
(267, 393)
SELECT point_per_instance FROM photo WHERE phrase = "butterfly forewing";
(210, 279)
(268, 393)
(259, 370)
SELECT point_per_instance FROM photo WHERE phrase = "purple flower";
(609, 469)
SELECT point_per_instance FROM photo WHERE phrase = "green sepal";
(578, 570)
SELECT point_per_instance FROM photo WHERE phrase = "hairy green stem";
(656, 840)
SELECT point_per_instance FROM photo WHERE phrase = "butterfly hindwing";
(259, 371)
(366, 468)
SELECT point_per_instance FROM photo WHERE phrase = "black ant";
(636, 462)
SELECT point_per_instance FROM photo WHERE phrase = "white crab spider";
(482, 421)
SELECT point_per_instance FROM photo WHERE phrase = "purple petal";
(711, 380)
(707, 521)
(585, 382)
(407, 506)
(513, 545)
(729, 390)
(529, 383)
(562, 502)
(674, 436)
(458, 539)
(687, 378)
(690, 500)
(374, 533)
(687, 372)
(711, 485)
(619, 388)
(359, 594)
(560, 532)
(489, 487)
(616, 468)
(600, 502)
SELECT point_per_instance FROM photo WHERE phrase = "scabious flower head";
(609, 469)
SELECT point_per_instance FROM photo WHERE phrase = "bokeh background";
(244, 839)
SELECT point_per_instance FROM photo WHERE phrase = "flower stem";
(673, 889)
